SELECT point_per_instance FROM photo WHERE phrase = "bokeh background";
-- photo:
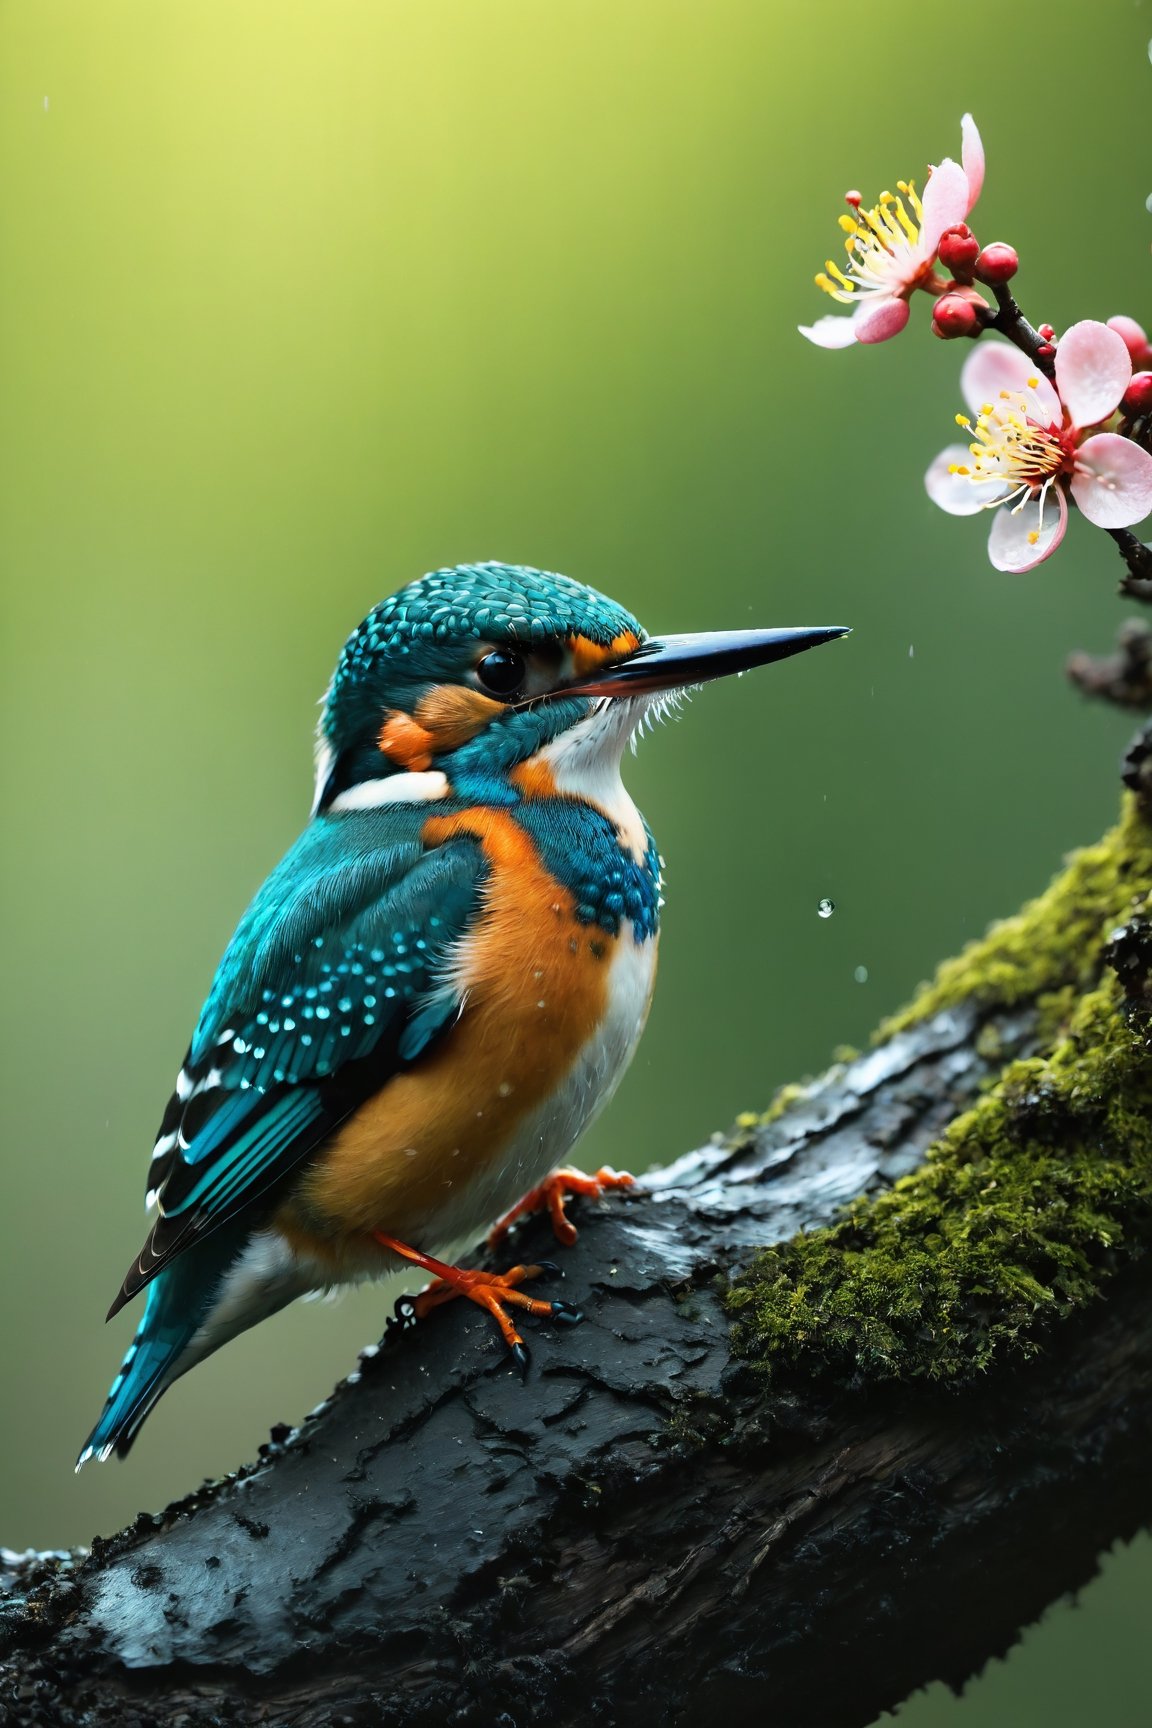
(301, 298)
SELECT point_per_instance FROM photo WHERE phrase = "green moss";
(1030, 1200)
(783, 1099)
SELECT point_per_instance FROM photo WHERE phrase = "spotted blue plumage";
(308, 1014)
(581, 848)
(327, 988)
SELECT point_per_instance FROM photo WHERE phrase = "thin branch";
(1011, 322)
(1137, 585)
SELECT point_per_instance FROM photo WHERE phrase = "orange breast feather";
(536, 983)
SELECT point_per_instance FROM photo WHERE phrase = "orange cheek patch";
(452, 715)
(404, 741)
(444, 719)
(589, 656)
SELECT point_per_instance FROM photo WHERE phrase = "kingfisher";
(440, 984)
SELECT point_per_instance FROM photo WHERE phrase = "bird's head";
(463, 676)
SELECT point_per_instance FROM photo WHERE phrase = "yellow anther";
(849, 224)
(959, 468)
(844, 281)
(872, 217)
(1033, 536)
(907, 223)
(963, 420)
(987, 408)
(1032, 383)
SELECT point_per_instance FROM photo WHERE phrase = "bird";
(439, 985)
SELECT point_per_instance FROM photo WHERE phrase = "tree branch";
(670, 1523)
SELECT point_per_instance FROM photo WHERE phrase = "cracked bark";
(643, 1533)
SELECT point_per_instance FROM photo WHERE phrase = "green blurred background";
(299, 300)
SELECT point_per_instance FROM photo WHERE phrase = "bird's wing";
(335, 979)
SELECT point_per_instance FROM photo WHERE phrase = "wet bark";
(643, 1533)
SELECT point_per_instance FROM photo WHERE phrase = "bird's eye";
(502, 672)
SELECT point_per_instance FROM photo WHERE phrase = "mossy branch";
(1030, 1201)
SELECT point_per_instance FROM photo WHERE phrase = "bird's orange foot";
(550, 1196)
(495, 1291)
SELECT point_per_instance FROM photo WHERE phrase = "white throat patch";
(585, 763)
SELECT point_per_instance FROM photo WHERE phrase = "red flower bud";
(955, 315)
(1138, 396)
(1046, 351)
(1048, 332)
(997, 263)
(1133, 338)
(958, 249)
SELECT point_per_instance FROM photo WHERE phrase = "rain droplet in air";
(861, 974)
(826, 907)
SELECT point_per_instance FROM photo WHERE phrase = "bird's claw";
(550, 1195)
(521, 1360)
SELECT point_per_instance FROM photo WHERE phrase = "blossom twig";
(1051, 424)
(1011, 322)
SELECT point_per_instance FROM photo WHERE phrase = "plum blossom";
(892, 249)
(1032, 444)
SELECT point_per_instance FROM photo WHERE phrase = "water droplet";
(505, 1089)
(911, 651)
(861, 974)
(826, 907)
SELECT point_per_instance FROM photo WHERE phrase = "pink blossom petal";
(995, 366)
(945, 202)
(1010, 546)
(956, 493)
(1132, 335)
(1113, 481)
(879, 319)
(1093, 370)
(831, 332)
(972, 156)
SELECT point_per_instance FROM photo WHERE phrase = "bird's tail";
(179, 1299)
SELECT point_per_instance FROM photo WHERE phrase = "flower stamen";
(880, 242)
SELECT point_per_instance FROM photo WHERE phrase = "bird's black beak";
(671, 662)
